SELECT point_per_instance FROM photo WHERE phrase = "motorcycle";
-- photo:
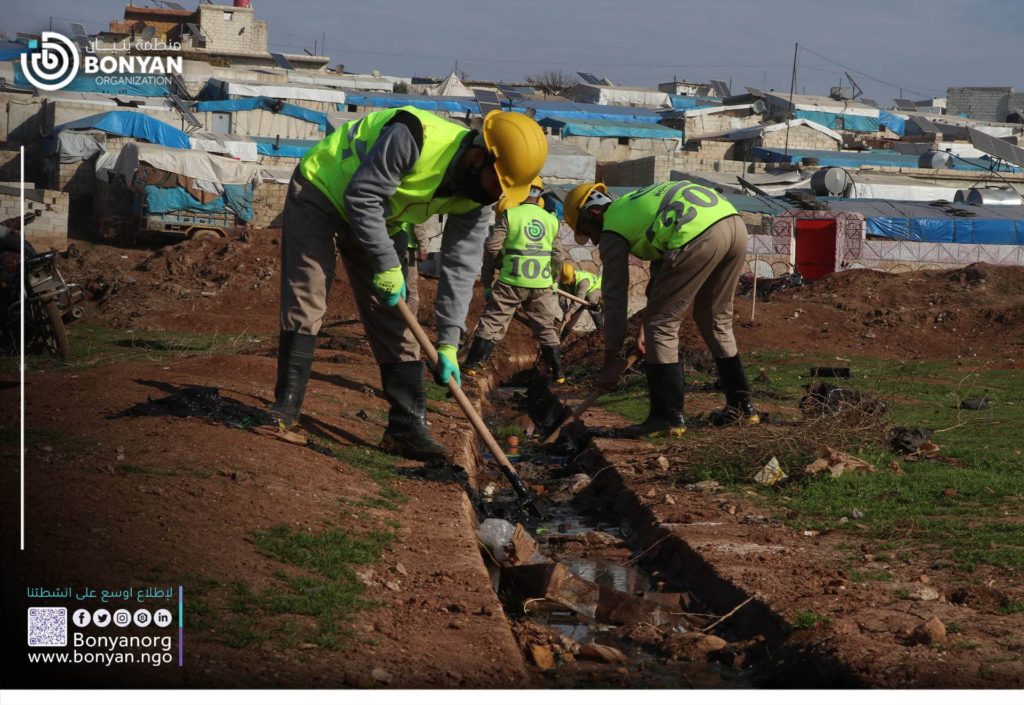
(49, 300)
(767, 287)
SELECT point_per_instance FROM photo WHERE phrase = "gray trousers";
(539, 305)
(411, 271)
(314, 236)
(702, 274)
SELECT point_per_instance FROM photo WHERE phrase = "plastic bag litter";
(507, 543)
(770, 474)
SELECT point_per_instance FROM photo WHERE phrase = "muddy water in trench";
(563, 536)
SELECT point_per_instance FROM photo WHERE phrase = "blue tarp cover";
(237, 199)
(286, 148)
(893, 122)
(686, 102)
(263, 103)
(128, 124)
(910, 220)
(138, 84)
(853, 123)
(876, 158)
(610, 128)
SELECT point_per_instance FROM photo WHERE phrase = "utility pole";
(792, 87)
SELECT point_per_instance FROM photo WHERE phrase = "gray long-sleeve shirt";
(366, 198)
(615, 287)
(496, 242)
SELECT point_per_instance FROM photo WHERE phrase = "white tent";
(452, 86)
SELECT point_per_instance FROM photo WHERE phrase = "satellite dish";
(148, 33)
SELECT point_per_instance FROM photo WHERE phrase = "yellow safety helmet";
(519, 149)
(574, 202)
(568, 274)
(537, 183)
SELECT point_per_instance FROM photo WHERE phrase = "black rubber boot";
(553, 357)
(665, 387)
(407, 433)
(294, 363)
(479, 353)
(738, 408)
(598, 318)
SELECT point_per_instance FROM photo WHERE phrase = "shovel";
(467, 408)
(591, 398)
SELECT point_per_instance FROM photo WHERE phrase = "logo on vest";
(534, 230)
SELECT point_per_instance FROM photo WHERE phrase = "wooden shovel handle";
(591, 398)
(463, 401)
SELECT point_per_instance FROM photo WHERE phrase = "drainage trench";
(589, 581)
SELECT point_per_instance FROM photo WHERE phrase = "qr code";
(47, 626)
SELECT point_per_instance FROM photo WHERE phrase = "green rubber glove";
(487, 294)
(390, 286)
(447, 365)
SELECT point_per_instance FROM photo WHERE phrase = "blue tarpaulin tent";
(237, 199)
(273, 147)
(893, 122)
(912, 220)
(128, 124)
(274, 105)
(610, 128)
(853, 123)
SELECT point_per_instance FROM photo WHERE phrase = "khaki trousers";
(702, 274)
(539, 305)
(411, 271)
(314, 235)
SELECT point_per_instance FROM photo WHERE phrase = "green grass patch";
(11, 437)
(806, 620)
(1012, 607)
(503, 432)
(905, 504)
(93, 344)
(879, 576)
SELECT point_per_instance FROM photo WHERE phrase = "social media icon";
(163, 618)
(122, 618)
(101, 617)
(82, 618)
(143, 618)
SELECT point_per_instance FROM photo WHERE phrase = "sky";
(921, 46)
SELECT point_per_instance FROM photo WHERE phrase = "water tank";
(993, 196)
(241, 3)
(934, 160)
(961, 196)
(830, 182)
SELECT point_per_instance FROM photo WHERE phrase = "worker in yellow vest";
(350, 195)
(696, 243)
(525, 250)
(583, 285)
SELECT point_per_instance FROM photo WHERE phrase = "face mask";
(472, 186)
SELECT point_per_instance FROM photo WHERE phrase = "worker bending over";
(696, 243)
(524, 247)
(583, 285)
(351, 195)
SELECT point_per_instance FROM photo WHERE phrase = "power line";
(873, 78)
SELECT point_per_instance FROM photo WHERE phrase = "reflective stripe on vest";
(331, 163)
(665, 216)
(582, 276)
(526, 254)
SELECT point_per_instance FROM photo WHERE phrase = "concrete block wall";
(800, 137)
(718, 122)
(979, 102)
(608, 149)
(268, 205)
(50, 208)
(279, 162)
(10, 165)
(237, 34)
(652, 170)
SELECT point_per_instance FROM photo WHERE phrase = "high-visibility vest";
(331, 163)
(582, 276)
(526, 254)
(665, 216)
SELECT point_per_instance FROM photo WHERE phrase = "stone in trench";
(380, 675)
(602, 654)
(925, 594)
(692, 646)
(929, 632)
(542, 656)
(577, 483)
(643, 634)
(705, 486)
